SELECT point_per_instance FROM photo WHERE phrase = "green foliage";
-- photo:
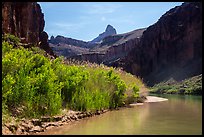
(117, 97)
(29, 80)
(135, 96)
(44, 86)
(89, 89)
(135, 91)
(6, 47)
(89, 96)
(37, 50)
(11, 39)
(191, 85)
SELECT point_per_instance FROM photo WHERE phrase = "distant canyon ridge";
(107, 48)
(170, 48)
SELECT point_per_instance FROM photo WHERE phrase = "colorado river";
(181, 114)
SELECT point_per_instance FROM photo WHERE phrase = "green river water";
(180, 115)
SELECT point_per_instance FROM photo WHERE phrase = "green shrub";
(29, 80)
(11, 39)
(135, 91)
(118, 96)
(43, 87)
(172, 91)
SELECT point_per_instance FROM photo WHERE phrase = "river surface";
(180, 115)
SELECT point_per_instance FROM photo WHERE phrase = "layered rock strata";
(26, 21)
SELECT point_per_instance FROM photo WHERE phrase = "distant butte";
(110, 30)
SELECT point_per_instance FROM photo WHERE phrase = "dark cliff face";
(172, 47)
(69, 41)
(63, 46)
(26, 21)
(23, 19)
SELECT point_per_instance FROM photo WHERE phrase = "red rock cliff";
(172, 47)
(26, 21)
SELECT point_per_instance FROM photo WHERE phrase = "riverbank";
(37, 126)
(154, 99)
(149, 99)
(189, 86)
(33, 126)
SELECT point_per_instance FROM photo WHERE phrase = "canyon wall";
(108, 55)
(26, 21)
(170, 48)
(112, 48)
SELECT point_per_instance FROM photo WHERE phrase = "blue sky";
(86, 20)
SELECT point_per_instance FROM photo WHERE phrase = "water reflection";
(178, 115)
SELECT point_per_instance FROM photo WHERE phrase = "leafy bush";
(117, 97)
(135, 91)
(29, 80)
(42, 86)
(11, 39)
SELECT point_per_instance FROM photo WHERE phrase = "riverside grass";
(34, 85)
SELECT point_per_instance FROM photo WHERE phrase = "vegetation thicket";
(34, 85)
(191, 85)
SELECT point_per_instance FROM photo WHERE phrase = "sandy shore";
(149, 99)
(154, 99)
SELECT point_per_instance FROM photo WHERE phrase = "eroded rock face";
(44, 43)
(112, 48)
(23, 19)
(63, 46)
(26, 21)
(116, 52)
(172, 47)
